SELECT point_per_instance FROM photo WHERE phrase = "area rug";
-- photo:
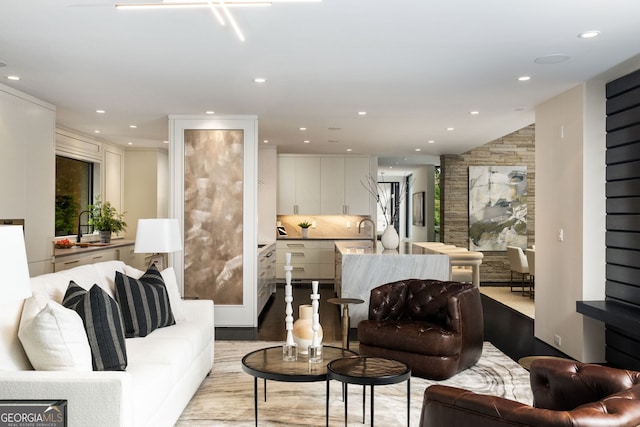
(225, 398)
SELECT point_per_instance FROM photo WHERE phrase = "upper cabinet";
(298, 185)
(326, 185)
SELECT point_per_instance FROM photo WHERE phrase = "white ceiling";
(415, 66)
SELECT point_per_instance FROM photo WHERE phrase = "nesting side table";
(367, 371)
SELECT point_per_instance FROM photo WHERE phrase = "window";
(74, 191)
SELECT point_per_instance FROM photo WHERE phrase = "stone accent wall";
(517, 148)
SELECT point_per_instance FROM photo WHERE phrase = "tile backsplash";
(326, 226)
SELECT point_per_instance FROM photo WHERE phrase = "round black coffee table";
(268, 364)
(366, 371)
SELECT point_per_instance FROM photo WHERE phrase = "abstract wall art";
(497, 207)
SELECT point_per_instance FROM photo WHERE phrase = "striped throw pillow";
(144, 303)
(101, 317)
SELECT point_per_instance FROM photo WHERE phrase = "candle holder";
(289, 348)
(315, 349)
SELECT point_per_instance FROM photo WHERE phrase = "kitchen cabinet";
(310, 259)
(122, 250)
(298, 185)
(341, 191)
(326, 185)
(266, 276)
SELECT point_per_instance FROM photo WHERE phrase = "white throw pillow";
(171, 283)
(53, 336)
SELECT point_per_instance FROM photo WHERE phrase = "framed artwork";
(497, 207)
(418, 209)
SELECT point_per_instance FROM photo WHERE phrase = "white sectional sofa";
(164, 369)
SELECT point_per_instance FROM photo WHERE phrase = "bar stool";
(345, 316)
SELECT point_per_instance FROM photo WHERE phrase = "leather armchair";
(566, 393)
(435, 327)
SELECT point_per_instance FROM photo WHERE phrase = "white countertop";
(365, 247)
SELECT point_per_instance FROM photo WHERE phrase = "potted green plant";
(304, 225)
(106, 219)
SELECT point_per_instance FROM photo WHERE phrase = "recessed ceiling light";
(16, 78)
(210, 112)
(306, 141)
(431, 141)
(474, 113)
(166, 142)
(129, 143)
(259, 80)
(303, 128)
(100, 111)
(349, 150)
(133, 126)
(524, 78)
(418, 149)
(450, 129)
(589, 34)
(555, 58)
(96, 131)
(362, 113)
(266, 141)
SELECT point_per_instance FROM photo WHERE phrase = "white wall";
(27, 171)
(570, 198)
(423, 180)
(147, 186)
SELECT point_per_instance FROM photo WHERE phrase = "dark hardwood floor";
(507, 329)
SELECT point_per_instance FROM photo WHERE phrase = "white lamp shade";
(158, 235)
(15, 284)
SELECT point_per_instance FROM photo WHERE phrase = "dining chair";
(531, 262)
(518, 263)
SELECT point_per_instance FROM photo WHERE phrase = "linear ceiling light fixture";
(213, 5)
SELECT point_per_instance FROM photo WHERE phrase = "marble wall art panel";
(213, 211)
(497, 207)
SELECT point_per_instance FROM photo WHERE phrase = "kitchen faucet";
(374, 237)
(79, 237)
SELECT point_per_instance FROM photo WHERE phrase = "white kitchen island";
(360, 268)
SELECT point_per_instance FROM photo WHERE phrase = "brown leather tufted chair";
(435, 327)
(565, 393)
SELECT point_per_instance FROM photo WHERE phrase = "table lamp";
(15, 284)
(158, 236)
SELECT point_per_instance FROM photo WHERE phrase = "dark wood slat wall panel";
(627, 188)
(623, 205)
(623, 171)
(622, 292)
(623, 154)
(623, 274)
(624, 101)
(629, 343)
(623, 216)
(624, 240)
(623, 222)
(622, 85)
(623, 119)
(623, 257)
